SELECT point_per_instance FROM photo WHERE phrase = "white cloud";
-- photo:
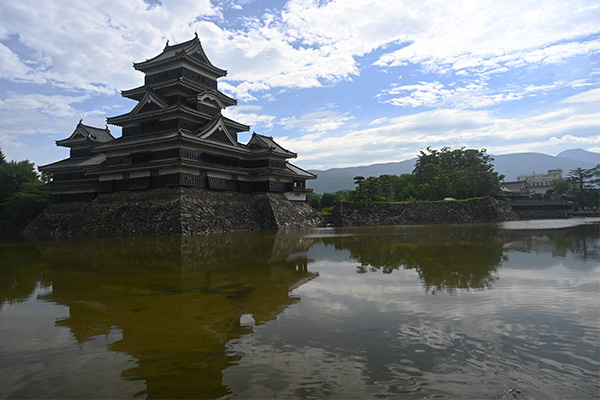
(316, 121)
(590, 96)
(89, 45)
(26, 118)
(400, 138)
(481, 36)
(250, 115)
(471, 95)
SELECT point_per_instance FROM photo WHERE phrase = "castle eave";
(122, 119)
(144, 66)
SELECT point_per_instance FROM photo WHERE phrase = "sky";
(340, 82)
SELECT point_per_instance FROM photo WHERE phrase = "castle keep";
(177, 137)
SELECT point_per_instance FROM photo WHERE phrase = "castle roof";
(190, 51)
(74, 163)
(194, 87)
(85, 134)
(299, 172)
(261, 142)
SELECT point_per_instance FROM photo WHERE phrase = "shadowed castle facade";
(178, 167)
(175, 136)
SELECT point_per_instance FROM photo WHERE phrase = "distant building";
(175, 136)
(540, 183)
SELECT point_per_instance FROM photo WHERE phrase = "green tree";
(13, 175)
(327, 200)
(20, 199)
(314, 200)
(460, 173)
(586, 185)
(404, 187)
(26, 204)
(386, 187)
(560, 186)
(578, 178)
(372, 189)
(2, 158)
(358, 193)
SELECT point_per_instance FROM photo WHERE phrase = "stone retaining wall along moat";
(172, 211)
(447, 212)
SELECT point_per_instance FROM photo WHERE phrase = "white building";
(540, 183)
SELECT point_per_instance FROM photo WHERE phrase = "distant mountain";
(335, 179)
(509, 165)
(582, 155)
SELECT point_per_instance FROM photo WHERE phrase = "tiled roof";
(74, 163)
(191, 50)
(259, 142)
(85, 133)
(138, 92)
(300, 172)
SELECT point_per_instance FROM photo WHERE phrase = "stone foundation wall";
(470, 211)
(171, 211)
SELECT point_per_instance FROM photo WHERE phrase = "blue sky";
(340, 82)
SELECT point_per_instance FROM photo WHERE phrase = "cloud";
(30, 117)
(90, 45)
(316, 121)
(470, 95)
(590, 96)
(482, 36)
(399, 138)
(250, 115)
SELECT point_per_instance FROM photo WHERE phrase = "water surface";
(409, 312)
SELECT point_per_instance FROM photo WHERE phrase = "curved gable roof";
(217, 130)
(261, 142)
(191, 50)
(85, 134)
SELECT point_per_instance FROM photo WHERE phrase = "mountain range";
(509, 165)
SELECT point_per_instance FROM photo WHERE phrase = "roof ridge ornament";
(166, 45)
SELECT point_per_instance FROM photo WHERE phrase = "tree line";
(438, 174)
(457, 174)
(20, 199)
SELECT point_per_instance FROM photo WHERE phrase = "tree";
(371, 189)
(23, 206)
(586, 185)
(358, 181)
(560, 186)
(314, 200)
(386, 187)
(404, 187)
(327, 200)
(2, 158)
(460, 173)
(20, 199)
(13, 175)
(578, 177)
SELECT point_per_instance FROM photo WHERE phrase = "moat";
(411, 312)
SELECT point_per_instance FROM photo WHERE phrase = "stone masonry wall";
(470, 211)
(171, 211)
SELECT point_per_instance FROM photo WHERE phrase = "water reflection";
(176, 300)
(342, 313)
(581, 241)
(445, 257)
